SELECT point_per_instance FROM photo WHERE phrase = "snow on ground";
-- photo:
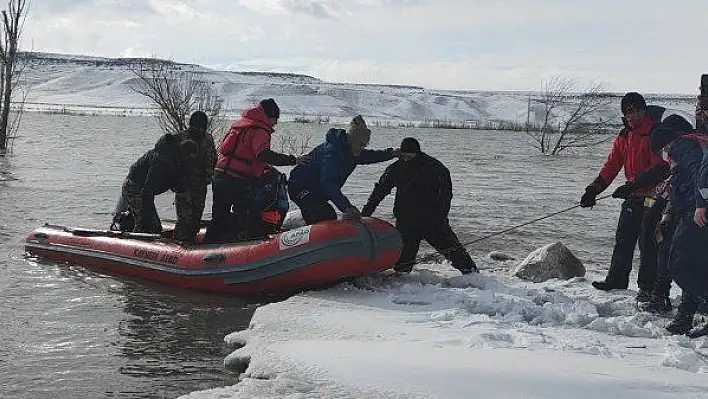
(76, 84)
(437, 334)
(433, 333)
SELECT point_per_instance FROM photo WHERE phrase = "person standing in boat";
(638, 217)
(312, 186)
(244, 155)
(190, 201)
(423, 197)
(154, 173)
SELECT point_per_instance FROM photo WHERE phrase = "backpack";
(271, 198)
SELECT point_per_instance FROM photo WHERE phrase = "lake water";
(73, 332)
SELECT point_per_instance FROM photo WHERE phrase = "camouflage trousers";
(190, 207)
(144, 212)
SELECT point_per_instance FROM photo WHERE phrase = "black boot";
(699, 331)
(657, 305)
(683, 322)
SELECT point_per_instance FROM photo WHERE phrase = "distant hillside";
(60, 82)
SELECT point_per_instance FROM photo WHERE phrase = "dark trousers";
(313, 206)
(688, 260)
(636, 223)
(440, 236)
(662, 285)
(233, 213)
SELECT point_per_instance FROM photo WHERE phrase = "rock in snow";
(552, 261)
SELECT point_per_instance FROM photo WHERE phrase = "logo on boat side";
(295, 237)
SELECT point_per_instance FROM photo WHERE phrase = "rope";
(436, 256)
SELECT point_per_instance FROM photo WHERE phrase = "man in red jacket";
(242, 161)
(643, 169)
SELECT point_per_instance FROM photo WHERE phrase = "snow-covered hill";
(67, 83)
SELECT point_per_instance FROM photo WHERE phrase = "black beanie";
(633, 99)
(271, 108)
(662, 136)
(198, 120)
(410, 145)
(677, 123)
(671, 128)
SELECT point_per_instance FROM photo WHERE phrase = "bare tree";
(290, 143)
(177, 91)
(570, 119)
(13, 19)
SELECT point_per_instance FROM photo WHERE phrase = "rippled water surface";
(70, 332)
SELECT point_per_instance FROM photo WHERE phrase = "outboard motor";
(122, 217)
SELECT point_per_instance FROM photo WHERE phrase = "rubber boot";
(657, 305)
(683, 322)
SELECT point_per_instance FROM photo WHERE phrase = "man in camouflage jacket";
(190, 202)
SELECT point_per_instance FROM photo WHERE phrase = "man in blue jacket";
(689, 200)
(312, 186)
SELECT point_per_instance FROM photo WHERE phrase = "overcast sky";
(649, 46)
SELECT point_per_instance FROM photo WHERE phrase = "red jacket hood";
(254, 117)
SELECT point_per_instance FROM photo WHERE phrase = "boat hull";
(309, 256)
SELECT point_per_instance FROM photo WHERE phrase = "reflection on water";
(171, 337)
(124, 338)
(69, 332)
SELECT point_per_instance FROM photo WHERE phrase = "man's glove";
(591, 191)
(352, 213)
(624, 191)
(588, 199)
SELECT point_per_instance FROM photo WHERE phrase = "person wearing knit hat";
(671, 128)
(244, 158)
(358, 134)
(632, 101)
(314, 185)
(199, 120)
(640, 214)
(688, 198)
(271, 109)
(423, 196)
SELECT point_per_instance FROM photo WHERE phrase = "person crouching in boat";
(154, 173)
(243, 157)
(312, 186)
(423, 197)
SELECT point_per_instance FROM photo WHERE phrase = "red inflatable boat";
(304, 257)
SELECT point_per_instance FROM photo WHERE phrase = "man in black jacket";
(423, 196)
(157, 171)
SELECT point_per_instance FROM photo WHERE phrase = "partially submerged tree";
(293, 143)
(177, 90)
(10, 71)
(570, 119)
